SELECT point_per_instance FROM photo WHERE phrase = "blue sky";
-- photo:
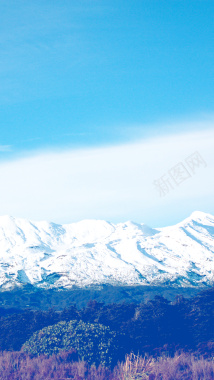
(89, 74)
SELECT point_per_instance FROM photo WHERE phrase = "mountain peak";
(199, 215)
(196, 217)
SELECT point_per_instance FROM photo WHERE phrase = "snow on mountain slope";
(96, 252)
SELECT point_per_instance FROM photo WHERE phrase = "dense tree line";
(141, 328)
(43, 299)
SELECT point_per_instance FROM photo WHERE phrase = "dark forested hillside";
(146, 327)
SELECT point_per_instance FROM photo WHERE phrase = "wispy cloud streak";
(5, 148)
(113, 183)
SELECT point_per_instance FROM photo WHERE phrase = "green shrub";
(94, 343)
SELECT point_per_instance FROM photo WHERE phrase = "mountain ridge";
(91, 252)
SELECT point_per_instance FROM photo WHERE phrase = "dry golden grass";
(180, 367)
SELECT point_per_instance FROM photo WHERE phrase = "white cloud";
(113, 183)
(5, 148)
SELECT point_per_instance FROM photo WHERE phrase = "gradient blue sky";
(80, 74)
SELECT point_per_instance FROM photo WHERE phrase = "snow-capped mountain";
(97, 252)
